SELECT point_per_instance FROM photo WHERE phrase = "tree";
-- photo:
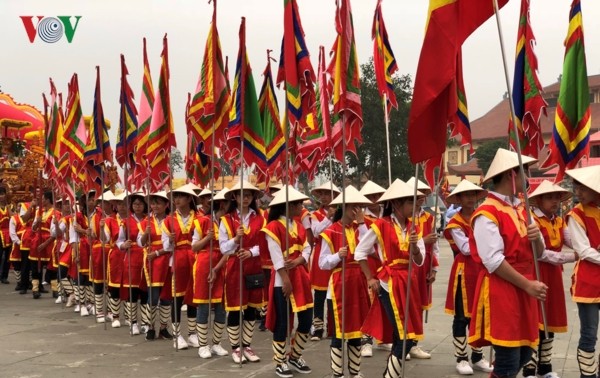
(372, 154)
(486, 152)
(176, 160)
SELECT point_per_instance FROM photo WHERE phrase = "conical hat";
(371, 188)
(186, 190)
(352, 196)
(588, 176)
(162, 194)
(205, 192)
(121, 196)
(421, 186)
(275, 187)
(292, 196)
(463, 187)
(108, 196)
(135, 194)
(220, 196)
(237, 187)
(328, 186)
(399, 189)
(547, 187)
(505, 160)
(190, 185)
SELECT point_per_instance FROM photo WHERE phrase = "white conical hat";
(421, 186)
(205, 192)
(371, 188)
(399, 189)
(588, 176)
(185, 189)
(162, 194)
(505, 160)
(352, 196)
(465, 186)
(190, 185)
(292, 196)
(238, 187)
(121, 196)
(220, 196)
(108, 196)
(134, 194)
(275, 187)
(547, 187)
(328, 186)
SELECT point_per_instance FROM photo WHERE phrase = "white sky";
(111, 27)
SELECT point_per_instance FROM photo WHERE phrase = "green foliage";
(486, 152)
(176, 160)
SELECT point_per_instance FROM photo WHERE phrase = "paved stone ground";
(41, 339)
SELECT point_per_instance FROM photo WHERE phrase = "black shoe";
(36, 295)
(55, 294)
(261, 326)
(23, 291)
(5, 281)
(299, 365)
(150, 334)
(283, 371)
(164, 334)
(42, 290)
(317, 335)
(18, 287)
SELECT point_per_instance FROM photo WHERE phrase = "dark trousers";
(384, 297)
(4, 263)
(319, 304)
(25, 269)
(509, 360)
(281, 320)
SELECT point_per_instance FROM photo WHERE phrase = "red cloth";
(585, 287)
(319, 278)
(204, 260)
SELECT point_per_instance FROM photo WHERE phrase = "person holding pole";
(396, 241)
(582, 221)
(319, 279)
(42, 241)
(338, 242)
(289, 284)
(5, 247)
(98, 260)
(503, 243)
(116, 212)
(545, 202)
(463, 276)
(239, 239)
(65, 254)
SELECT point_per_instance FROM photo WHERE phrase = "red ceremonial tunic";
(463, 266)
(356, 301)
(373, 259)
(394, 271)
(183, 260)
(427, 227)
(319, 278)
(41, 234)
(65, 251)
(4, 220)
(503, 314)
(133, 260)
(586, 287)
(114, 268)
(157, 270)
(205, 259)
(27, 236)
(15, 252)
(99, 256)
(301, 296)
(83, 247)
(252, 235)
(551, 275)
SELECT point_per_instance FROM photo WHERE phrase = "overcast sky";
(111, 27)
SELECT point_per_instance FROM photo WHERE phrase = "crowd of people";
(369, 256)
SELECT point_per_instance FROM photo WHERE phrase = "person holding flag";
(42, 242)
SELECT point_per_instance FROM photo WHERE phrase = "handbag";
(254, 281)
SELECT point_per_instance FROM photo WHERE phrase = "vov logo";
(50, 29)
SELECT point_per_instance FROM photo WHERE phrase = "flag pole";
(173, 242)
(520, 158)
(436, 185)
(100, 231)
(241, 278)
(410, 270)
(387, 138)
(150, 308)
(344, 242)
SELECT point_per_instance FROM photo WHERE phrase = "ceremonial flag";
(143, 122)
(244, 117)
(527, 91)
(295, 68)
(98, 149)
(571, 133)
(383, 60)
(75, 133)
(273, 132)
(209, 109)
(434, 101)
(460, 127)
(429, 167)
(343, 68)
(161, 138)
(127, 134)
(54, 131)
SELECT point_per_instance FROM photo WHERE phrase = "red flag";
(434, 101)
(383, 60)
(127, 134)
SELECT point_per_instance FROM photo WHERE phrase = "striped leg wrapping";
(279, 352)
(152, 315)
(353, 359)
(18, 275)
(145, 312)
(99, 303)
(460, 347)
(134, 312)
(532, 364)
(128, 311)
(393, 368)
(164, 314)
(298, 344)
(317, 324)
(546, 351)
(336, 361)
(176, 330)
(77, 291)
(191, 323)
(202, 332)
(54, 286)
(218, 329)
(67, 286)
(587, 363)
(248, 332)
(89, 294)
(234, 336)
(114, 306)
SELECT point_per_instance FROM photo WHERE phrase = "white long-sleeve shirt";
(277, 255)
(366, 244)
(318, 227)
(328, 260)
(553, 257)
(122, 238)
(12, 231)
(461, 241)
(229, 246)
(581, 243)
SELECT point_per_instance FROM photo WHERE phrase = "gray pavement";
(41, 339)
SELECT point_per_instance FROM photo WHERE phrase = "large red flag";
(383, 60)
(127, 133)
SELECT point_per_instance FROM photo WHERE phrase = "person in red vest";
(6, 242)
(463, 276)
(545, 201)
(584, 227)
(240, 239)
(503, 243)
(338, 246)
(16, 228)
(319, 279)
(27, 212)
(289, 284)
(397, 242)
(42, 243)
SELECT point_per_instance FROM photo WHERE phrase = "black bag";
(254, 281)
